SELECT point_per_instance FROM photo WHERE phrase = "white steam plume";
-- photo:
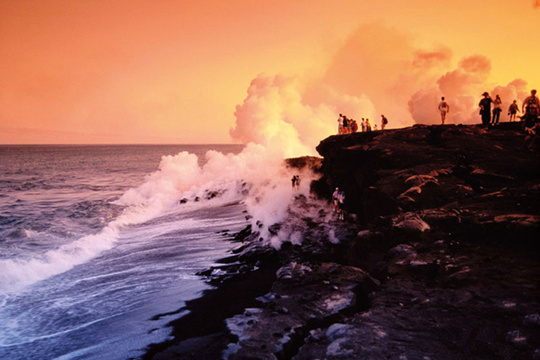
(289, 118)
(257, 177)
(462, 89)
(378, 70)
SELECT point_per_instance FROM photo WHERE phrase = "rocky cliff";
(438, 257)
(451, 168)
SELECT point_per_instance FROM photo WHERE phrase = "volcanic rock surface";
(438, 257)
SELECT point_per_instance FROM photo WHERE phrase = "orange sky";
(134, 71)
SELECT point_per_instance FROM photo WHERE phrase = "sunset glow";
(192, 71)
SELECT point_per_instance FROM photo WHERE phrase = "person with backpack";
(531, 109)
(531, 104)
(512, 110)
(384, 122)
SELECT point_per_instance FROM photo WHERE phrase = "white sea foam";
(17, 273)
(4, 340)
(255, 176)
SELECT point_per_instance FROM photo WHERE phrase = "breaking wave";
(256, 177)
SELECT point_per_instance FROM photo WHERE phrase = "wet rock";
(364, 234)
(446, 218)
(333, 289)
(403, 251)
(460, 275)
(419, 180)
(336, 331)
(523, 220)
(515, 338)
(411, 223)
(292, 270)
(532, 320)
(339, 348)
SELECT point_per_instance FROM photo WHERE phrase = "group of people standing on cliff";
(349, 126)
(530, 110)
(485, 109)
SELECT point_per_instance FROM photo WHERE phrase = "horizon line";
(112, 144)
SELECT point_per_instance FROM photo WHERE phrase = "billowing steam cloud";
(290, 120)
(255, 177)
(378, 70)
(462, 89)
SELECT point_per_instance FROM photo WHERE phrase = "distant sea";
(93, 245)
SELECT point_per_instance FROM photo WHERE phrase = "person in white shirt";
(335, 200)
(444, 108)
(497, 108)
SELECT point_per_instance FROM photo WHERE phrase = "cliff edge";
(437, 258)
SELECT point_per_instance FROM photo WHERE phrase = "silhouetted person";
(354, 126)
(341, 205)
(512, 110)
(444, 108)
(340, 124)
(345, 125)
(531, 104)
(384, 121)
(497, 108)
(335, 200)
(485, 108)
(531, 108)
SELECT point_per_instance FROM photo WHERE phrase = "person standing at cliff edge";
(512, 110)
(444, 108)
(368, 126)
(531, 110)
(531, 106)
(384, 122)
(485, 109)
(497, 108)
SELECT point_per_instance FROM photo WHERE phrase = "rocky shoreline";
(438, 258)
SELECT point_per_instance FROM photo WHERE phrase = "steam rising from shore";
(288, 117)
(257, 177)
(377, 70)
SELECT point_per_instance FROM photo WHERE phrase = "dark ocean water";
(94, 242)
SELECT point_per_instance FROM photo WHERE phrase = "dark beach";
(438, 257)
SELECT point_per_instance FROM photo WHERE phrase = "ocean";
(97, 240)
